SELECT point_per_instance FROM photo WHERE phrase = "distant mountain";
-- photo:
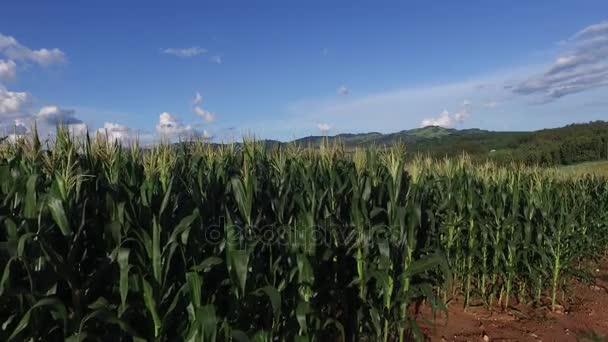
(556, 146)
(565, 145)
(429, 134)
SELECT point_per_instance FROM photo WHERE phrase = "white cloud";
(15, 130)
(461, 116)
(12, 103)
(13, 138)
(324, 127)
(583, 67)
(464, 113)
(49, 117)
(47, 57)
(217, 59)
(343, 91)
(594, 30)
(185, 52)
(444, 120)
(78, 129)
(447, 120)
(116, 132)
(11, 48)
(8, 70)
(54, 116)
(169, 126)
(19, 127)
(207, 116)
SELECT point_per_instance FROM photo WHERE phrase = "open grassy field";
(599, 168)
(200, 243)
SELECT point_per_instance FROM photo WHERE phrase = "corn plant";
(202, 242)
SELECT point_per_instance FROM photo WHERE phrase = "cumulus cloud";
(324, 127)
(447, 120)
(54, 116)
(14, 50)
(19, 127)
(582, 67)
(207, 116)
(8, 70)
(14, 131)
(464, 113)
(79, 129)
(116, 132)
(343, 91)
(170, 126)
(444, 120)
(12, 103)
(185, 52)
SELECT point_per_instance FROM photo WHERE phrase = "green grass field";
(599, 168)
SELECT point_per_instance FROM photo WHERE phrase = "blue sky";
(288, 69)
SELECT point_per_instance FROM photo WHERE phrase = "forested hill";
(565, 145)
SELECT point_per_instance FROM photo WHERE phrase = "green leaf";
(239, 336)
(6, 275)
(209, 322)
(151, 306)
(8, 321)
(238, 267)
(195, 285)
(302, 311)
(275, 298)
(54, 303)
(103, 314)
(428, 263)
(243, 198)
(302, 338)
(124, 267)
(183, 229)
(156, 252)
(166, 198)
(207, 264)
(262, 336)
(58, 213)
(30, 210)
(23, 239)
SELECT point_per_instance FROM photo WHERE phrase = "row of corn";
(196, 242)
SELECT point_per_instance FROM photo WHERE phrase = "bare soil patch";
(583, 317)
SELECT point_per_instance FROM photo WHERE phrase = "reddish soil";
(584, 317)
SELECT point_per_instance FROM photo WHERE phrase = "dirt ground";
(584, 317)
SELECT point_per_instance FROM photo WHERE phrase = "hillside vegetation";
(557, 146)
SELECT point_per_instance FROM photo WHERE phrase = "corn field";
(196, 242)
